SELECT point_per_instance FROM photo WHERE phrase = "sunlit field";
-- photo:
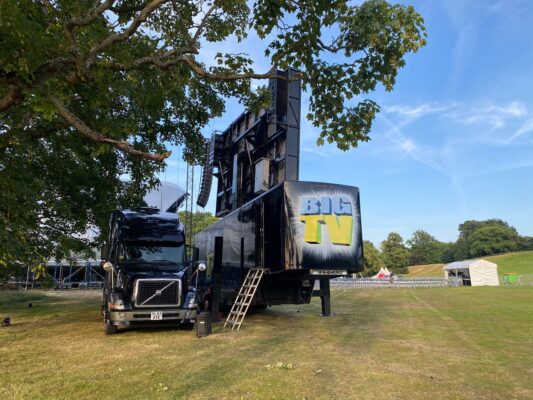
(464, 343)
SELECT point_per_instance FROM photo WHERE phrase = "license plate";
(156, 315)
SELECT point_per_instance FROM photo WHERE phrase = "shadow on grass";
(356, 318)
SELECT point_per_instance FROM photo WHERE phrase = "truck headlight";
(116, 305)
(192, 302)
(115, 301)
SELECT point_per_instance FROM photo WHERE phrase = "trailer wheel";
(110, 329)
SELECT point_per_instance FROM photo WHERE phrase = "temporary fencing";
(368, 283)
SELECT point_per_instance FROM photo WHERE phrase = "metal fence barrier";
(368, 283)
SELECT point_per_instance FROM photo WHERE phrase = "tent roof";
(469, 263)
(382, 272)
(76, 262)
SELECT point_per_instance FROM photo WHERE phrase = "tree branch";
(332, 48)
(203, 22)
(13, 96)
(122, 145)
(82, 21)
(89, 18)
(52, 67)
(128, 32)
(196, 68)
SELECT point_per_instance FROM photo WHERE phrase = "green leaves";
(200, 221)
(89, 91)
(372, 259)
(424, 248)
(395, 254)
(368, 49)
(480, 238)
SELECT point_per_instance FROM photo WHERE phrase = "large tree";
(525, 243)
(395, 254)
(424, 248)
(92, 90)
(479, 238)
(372, 259)
(447, 252)
(200, 221)
(493, 239)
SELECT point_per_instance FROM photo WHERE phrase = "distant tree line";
(200, 221)
(476, 239)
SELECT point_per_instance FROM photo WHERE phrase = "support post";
(325, 297)
(86, 275)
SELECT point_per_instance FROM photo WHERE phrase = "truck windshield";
(163, 257)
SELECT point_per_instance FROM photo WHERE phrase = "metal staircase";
(244, 298)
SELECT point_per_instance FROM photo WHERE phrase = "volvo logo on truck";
(334, 213)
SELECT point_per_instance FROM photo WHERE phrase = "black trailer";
(298, 231)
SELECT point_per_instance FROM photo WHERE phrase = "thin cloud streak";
(527, 127)
(422, 154)
(409, 147)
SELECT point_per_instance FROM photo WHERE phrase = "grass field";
(451, 343)
(520, 263)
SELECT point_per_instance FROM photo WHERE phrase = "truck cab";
(146, 280)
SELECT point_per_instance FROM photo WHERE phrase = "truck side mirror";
(195, 254)
(108, 266)
(201, 267)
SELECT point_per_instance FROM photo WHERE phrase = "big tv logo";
(334, 212)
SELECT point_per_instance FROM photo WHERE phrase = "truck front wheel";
(110, 329)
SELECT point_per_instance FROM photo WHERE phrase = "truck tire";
(110, 329)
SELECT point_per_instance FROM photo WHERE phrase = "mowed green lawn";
(451, 343)
(520, 263)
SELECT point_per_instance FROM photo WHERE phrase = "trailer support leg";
(325, 297)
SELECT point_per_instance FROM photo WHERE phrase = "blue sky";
(454, 140)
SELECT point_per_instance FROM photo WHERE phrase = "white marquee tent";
(480, 272)
(383, 273)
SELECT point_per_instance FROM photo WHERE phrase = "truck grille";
(157, 292)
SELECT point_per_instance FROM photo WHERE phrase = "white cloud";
(495, 116)
(526, 127)
(492, 115)
(450, 138)
(488, 122)
(408, 146)
(317, 151)
(416, 112)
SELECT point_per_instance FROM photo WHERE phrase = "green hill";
(520, 263)
(420, 271)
